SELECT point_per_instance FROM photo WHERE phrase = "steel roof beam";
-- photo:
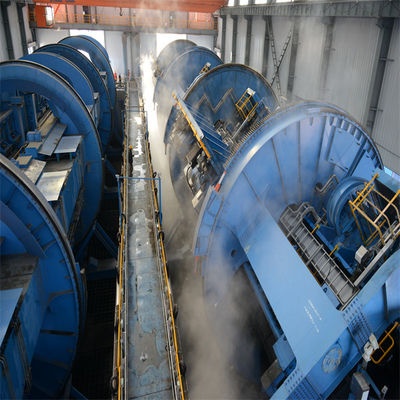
(366, 9)
(126, 28)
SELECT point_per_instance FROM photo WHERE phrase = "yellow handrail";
(155, 200)
(120, 266)
(381, 218)
(367, 186)
(241, 105)
(196, 135)
(385, 352)
(315, 228)
(334, 249)
(136, 20)
(157, 208)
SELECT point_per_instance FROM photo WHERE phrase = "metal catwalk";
(147, 360)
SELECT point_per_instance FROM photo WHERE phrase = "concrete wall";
(113, 42)
(47, 36)
(202, 40)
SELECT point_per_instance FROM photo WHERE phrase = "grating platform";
(93, 364)
(314, 253)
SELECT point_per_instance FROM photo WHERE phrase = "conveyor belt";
(148, 342)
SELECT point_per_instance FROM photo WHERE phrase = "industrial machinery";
(56, 122)
(296, 230)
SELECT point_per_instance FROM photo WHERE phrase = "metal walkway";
(147, 361)
(314, 253)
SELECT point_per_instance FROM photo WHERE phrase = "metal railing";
(156, 197)
(138, 19)
(382, 348)
(245, 106)
(378, 221)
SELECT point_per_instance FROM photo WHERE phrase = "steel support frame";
(386, 26)
(234, 37)
(21, 23)
(362, 8)
(223, 37)
(7, 31)
(293, 57)
(266, 46)
(124, 28)
(249, 29)
(326, 54)
(125, 51)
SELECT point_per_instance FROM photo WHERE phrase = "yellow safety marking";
(316, 227)
(193, 128)
(157, 206)
(381, 218)
(334, 249)
(120, 266)
(385, 352)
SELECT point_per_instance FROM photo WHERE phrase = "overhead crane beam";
(207, 6)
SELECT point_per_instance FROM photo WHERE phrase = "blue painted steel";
(98, 44)
(50, 311)
(179, 75)
(281, 159)
(98, 58)
(338, 202)
(213, 94)
(211, 98)
(70, 72)
(43, 311)
(170, 52)
(305, 144)
(25, 76)
(89, 69)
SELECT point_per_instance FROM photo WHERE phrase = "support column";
(386, 26)
(248, 39)
(22, 28)
(326, 54)
(268, 22)
(4, 5)
(223, 37)
(293, 57)
(125, 51)
(234, 36)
